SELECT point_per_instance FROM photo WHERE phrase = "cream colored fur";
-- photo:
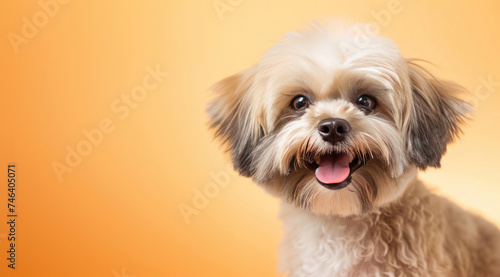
(420, 234)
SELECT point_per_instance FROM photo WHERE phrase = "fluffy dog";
(336, 123)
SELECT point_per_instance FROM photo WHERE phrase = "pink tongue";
(333, 168)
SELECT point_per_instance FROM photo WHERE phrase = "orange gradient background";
(117, 213)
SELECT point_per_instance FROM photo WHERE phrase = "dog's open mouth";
(334, 170)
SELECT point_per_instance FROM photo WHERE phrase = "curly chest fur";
(410, 238)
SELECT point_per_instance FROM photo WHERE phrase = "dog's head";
(335, 121)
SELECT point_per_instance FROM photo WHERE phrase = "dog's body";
(336, 123)
(421, 234)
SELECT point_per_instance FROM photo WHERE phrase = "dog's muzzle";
(335, 169)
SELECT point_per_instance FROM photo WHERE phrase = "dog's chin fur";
(350, 231)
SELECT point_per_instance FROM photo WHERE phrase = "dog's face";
(335, 121)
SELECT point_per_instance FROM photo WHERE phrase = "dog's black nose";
(334, 129)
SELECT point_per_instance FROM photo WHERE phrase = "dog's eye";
(366, 103)
(300, 103)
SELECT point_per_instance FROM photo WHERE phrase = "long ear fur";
(234, 117)
(436, 117)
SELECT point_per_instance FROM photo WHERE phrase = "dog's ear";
(436, 117)
(234, 117)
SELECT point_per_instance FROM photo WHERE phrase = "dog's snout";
(334, 129)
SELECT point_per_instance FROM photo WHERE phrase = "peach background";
(117, 213)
